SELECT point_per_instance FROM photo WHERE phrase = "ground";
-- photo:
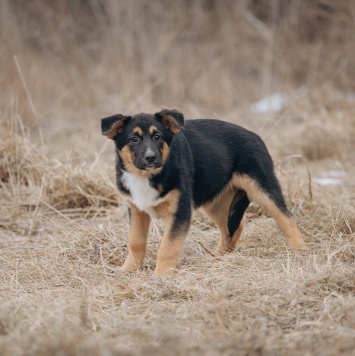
(63, 228)
(63, 239)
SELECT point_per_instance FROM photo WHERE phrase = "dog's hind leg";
(267, 193)
(227, 211)
(237, 209)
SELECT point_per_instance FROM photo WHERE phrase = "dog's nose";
(150, 157)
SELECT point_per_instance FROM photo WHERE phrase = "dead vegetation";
(62, 232)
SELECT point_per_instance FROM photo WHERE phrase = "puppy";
(166, 166)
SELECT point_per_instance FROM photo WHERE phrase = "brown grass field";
(64, 65)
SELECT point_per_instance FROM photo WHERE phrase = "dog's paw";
(222, 250)
(164, 272)
(129, 266)
(297, 244)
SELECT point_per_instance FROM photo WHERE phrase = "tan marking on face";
(138, 131)
(152, 129)
(170, 124)
(127, 158)
(137, 239)
(286, 224)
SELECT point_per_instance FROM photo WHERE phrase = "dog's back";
(221, 149)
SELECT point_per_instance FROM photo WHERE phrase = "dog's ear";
(113, 125)
(173, 120)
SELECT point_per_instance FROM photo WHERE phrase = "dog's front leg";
(137, 239)
(176, 228)
(169, 250)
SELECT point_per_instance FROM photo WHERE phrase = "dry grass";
(62, 233)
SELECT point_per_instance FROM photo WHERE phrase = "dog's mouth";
(151, 167)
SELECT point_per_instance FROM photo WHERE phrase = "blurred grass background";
(81, 59)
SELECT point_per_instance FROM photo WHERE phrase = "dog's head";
(143, 140)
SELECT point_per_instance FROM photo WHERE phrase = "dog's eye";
(157, 137)
(134, 139)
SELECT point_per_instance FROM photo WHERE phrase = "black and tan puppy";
(166, 166)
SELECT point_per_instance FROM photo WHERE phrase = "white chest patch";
(143, 195)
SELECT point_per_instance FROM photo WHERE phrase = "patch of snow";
(272, 103)
(327, 181)
(347, 96)
(336, 173)
(275, 102)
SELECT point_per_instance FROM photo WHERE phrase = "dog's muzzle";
(151, 160)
